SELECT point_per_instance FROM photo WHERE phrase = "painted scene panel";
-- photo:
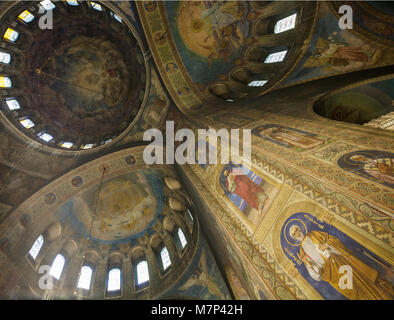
(374, 165)
(249, 192)
(321, 252)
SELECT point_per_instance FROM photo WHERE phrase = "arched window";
(85, 278)
(115, 16)
(5, 82)
(72, 2)
(57, 266)
(285, 24)
(257, 83)
(276, 57)
(188, 211)
(66, 144)
(165, 258)
(27, 123)
(11, 35)
(142, 272)
(45, 136)
(114, 280)
(182, 238)
(96, 6)
(47, 5)
(87, 146)
(37, 245)
(13, 104)
(26, 16)
(5, 57)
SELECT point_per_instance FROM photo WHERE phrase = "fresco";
(202, 280)
(372, 18)
(86, 83)
(209, 35)
(249, 192)
(359, 105)
(232, 119)
(333, 50)
(236, 285)
(128, 205)
(375, 165)
(288, 137)
(318, 250)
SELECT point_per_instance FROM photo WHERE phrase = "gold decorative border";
(179, 78)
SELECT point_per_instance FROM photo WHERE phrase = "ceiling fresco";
(84, 81)
(209, 36)
(207, 52)
(334, 51)
(128, 205)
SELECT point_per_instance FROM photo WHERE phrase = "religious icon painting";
(288, 137)
(336, 266)
(374, 165)
(250, 193)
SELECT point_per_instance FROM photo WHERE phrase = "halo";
(346, 157)
(285, 228)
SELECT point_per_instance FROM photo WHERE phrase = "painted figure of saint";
(289, 137)
(242, 186)
(323, 255)
(381, 168)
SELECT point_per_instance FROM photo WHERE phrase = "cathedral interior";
(306, 215)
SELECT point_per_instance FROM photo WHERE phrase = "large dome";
(80, 83)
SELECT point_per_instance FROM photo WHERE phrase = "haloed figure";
(246, 189)
(381, 168)
(323, 255)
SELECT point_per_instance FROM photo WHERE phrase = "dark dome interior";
(79, 79)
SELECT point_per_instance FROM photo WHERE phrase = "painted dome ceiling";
(127, 207)
(210, 52)
(82, 82)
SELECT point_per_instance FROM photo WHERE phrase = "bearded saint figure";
(323, 255)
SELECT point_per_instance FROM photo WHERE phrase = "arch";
(69, 248)
(176, 205)
(53, 231)
(172, 183)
